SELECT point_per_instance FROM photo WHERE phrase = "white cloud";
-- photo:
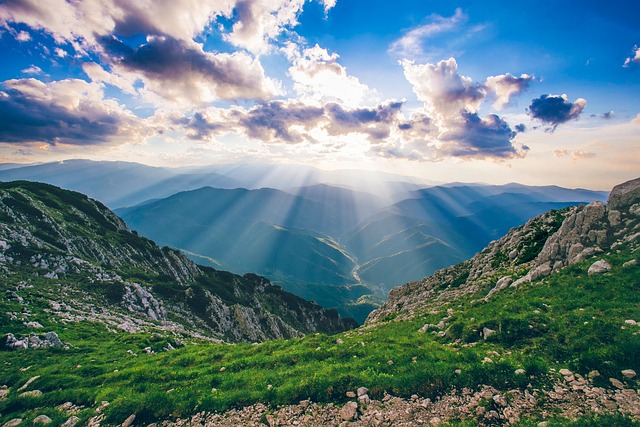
(318, 77)
(260, 21)
(328, 5)
(633, 59)
(68, 112)
(505, 86)
(442, 89)
(23, 36)
(33, 69)
(411, 44)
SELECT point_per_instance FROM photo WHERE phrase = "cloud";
(182, 72)
(376, 122)
(636, 119)
(633, 59)
(505, 86)
(579, 155)
(560, 153)
(521, 128)
(260, 21)
(442, 89)
(317, 76)
(410, 45)
(71, 112)
(328, 5)
(83, 23)
(488, 137)
(23, 36)
(556, 109)
(33, 69)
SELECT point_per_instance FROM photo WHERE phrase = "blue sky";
(539, 92)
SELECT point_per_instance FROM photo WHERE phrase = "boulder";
(624, 195)
(599, 267)
(42, 419)
(71, 422)
(13, 423)
(629, 373)
(349, 411)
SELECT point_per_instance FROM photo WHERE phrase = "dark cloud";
(176, 69)
(555, 109)
(67, 113)
(489, 137)
(375, 122)
(199, 127)
(274, 120)
(521, 128)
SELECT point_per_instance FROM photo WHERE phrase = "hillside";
(540, 327)
(53, 239)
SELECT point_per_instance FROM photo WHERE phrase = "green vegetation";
(570, 320)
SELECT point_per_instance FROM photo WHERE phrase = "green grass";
(178, 383)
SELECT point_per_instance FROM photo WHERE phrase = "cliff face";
(544, 245)
(50, 236)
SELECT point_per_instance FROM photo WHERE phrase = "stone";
(500, 400)
(28, 383)
(364, 399)
(629, 373)
(519, 372)
(349, 411)
(630, 322)
(630, 263)
(350, 394)
(12, 423)
(129, 420)
(339, 341)
(599, 267)
(616, 383)
(42, 419)
(486, 332)
(565, 372)
(362, 391)
(71, 422)
(624, 195)
(486, 360)
(435, 421)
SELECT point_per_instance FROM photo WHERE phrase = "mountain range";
(104, 327)
(339, 246)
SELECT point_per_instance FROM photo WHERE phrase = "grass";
(391, 357)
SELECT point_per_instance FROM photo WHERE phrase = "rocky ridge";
(542, 246)
(82, 259)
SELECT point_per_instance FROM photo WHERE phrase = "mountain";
(116, 184)
(539, 328)
(52, 238)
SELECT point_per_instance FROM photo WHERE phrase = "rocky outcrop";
(127, 282)
(545, 244)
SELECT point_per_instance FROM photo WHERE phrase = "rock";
(435, 421)
(500, 400)
(630, 263)
(32, 393)
(339, 341)
(486, 332)
(629, 373)
(12, 423)
(630, 322)
(616, 383)
(624, 195)
(486, 360)
(565, 372)
(71, 422)
(350, 394)
(349, 411)
(519, 372)
(362, 391)
(501, 284)
(129, 420)
(599, 267)
(42, 419)
(364, 399)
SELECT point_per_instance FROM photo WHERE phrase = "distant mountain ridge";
(341, 240)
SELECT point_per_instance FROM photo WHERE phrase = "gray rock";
(129, 420)
(362, 391)
(12, 423)
(486, 332)
(28, 383)
(32, 393)
(349, 411)
(624, 195)
(71, 422)
(599, 267)
(616, 383)
(629, 373)
(42, 419)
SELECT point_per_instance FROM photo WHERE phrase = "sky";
(540, 93)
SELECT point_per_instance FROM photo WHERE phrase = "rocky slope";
(544, 245)
(61, 247)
